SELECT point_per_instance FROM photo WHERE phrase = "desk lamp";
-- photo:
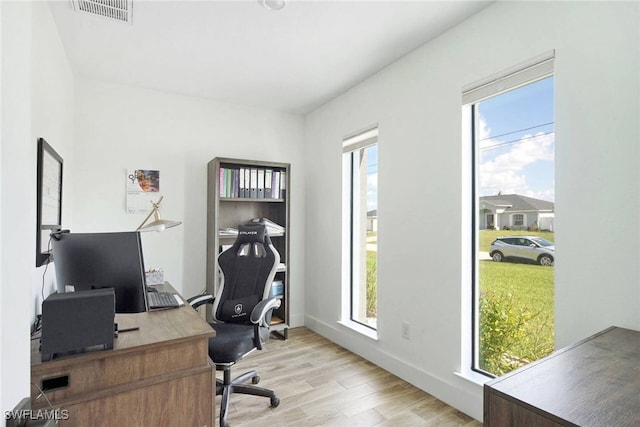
(157, 224)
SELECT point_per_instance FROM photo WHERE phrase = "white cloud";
(483, 132)
(372, 191)
(548, 194)
(504, 172)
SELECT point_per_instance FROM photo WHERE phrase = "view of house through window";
(361, 159)
(513, 140)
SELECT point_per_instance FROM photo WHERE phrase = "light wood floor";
(322, 384)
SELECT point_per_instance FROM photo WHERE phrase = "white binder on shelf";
(260, 183)
(275, 186)
(283, 184)
(253, 182)
(268, 183)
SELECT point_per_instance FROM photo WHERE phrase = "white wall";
(2, 83)
(113, 128)
(51, 119)
(18, 201)
(120, 127)
(424, 209)
(37, 94)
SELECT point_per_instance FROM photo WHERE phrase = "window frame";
(527, 72)
(514, 220)
(352, 145)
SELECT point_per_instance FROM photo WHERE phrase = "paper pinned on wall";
(143, 189)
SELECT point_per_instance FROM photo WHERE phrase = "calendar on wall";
(143, 189)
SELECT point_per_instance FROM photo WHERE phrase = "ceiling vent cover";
(119, 10)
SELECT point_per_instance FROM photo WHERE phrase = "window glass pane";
(514, 200)
(364, 242)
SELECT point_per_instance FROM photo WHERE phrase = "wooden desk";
(157, 375)
(595, 382)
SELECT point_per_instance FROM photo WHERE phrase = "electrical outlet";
(405, 331)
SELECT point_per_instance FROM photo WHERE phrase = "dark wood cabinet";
(595, 382)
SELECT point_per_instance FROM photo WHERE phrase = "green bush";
(372, 294)
(507, 338)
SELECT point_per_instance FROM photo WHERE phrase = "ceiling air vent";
(119, 10)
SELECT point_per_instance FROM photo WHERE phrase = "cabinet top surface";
(595, 382)
(247, 162)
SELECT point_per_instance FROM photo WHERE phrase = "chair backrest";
(247, 270)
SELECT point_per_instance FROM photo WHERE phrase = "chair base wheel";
(255, 380)
(275, 402)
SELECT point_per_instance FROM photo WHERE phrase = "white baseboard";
(463, 395)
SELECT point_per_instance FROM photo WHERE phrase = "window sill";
(474, 377)
(357, 327)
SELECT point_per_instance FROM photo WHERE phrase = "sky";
(372, 177)
(515, 133)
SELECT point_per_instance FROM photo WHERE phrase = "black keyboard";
(162, 300)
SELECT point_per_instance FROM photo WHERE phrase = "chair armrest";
(199, 300)
(260, 311)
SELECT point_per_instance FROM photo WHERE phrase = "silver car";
(532, 248)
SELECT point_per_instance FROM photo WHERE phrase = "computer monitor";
(85, 261)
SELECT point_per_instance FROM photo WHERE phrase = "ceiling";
(291, 60)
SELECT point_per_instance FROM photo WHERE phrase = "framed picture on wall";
(49, 202)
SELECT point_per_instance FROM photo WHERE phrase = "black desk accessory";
(75, 321)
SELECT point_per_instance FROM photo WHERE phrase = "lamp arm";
(156, 205)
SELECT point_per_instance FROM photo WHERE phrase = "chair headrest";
(250, 233)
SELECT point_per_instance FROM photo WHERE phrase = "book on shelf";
(283, 184)
(228, 182)
(252, 182)
(221, 191)
(235, 183)
(277, 288)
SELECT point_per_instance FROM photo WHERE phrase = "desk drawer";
(78, 376)
(176, 401)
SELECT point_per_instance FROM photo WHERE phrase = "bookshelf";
(238, 191)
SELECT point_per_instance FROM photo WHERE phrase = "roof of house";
(516, 202)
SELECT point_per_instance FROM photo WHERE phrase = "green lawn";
(522, 313)
(518, 306)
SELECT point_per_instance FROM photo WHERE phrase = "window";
(360, 202)
(517, 220)
(511, 125)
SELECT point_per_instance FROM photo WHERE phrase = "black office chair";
(242, 311)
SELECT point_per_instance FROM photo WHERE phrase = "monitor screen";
(85, 261)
